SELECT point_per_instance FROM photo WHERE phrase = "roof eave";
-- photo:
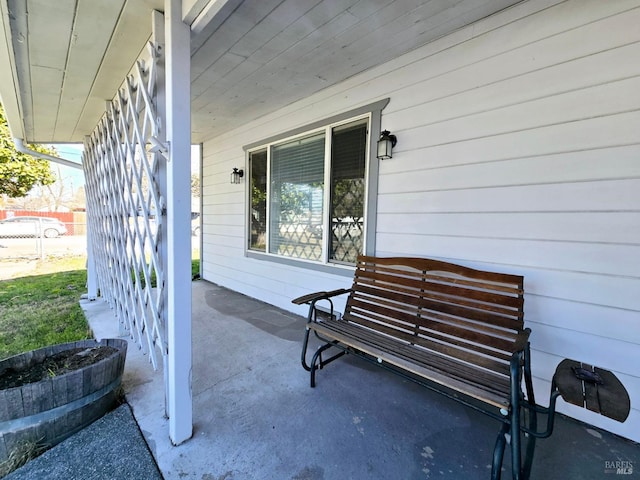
(9, 91)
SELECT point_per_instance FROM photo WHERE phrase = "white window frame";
(372, 113)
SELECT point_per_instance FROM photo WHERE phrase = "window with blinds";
(297, 197)
(308, 195)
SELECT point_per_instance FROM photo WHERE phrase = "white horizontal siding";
(518, 151)
(619, 227)
(588, 258)
(596, 101)
(595, 290)
(576, 166)
(593, 196)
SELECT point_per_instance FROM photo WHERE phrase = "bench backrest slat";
(486, 364)
(472, 333)
(407, 333)
(423, 300)
(458, 312)
(472, 291)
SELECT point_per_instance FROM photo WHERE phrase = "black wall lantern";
(386, 144)
(236, 175)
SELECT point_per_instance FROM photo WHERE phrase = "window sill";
(331, 268)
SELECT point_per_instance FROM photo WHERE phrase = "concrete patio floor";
(255, 416)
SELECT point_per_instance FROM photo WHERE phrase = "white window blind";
(297, 196)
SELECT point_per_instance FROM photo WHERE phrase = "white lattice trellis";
(126, 208)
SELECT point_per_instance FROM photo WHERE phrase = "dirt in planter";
(55, 365)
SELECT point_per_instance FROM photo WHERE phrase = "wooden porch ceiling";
(248, 57)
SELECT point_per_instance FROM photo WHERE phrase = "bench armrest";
(522, 339)
(319, 296)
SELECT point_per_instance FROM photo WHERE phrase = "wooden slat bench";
(456, 330)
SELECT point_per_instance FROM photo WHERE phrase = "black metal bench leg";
(305, 344)
(531, 446)
(316, 361)
(532, 423)
(498, 452)
(516, 454)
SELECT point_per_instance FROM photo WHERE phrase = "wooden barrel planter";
(48, 411)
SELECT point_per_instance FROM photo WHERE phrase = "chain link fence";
(27, 238)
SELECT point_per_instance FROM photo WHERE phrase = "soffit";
(250, 58)
(68, 58)
(270, 53)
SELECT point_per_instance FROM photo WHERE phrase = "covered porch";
(517, 152)
(255, 415)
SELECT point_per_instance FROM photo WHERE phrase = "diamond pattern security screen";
(126, 210)
(297, 195)
(349, 148)
(290, 181)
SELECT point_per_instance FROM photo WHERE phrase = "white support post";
(92, 275)
(178, 274)
(158, 38)
(92, 272)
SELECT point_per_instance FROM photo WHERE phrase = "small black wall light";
(236, 175)
(386, 144)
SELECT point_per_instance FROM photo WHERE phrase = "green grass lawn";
(43, 308)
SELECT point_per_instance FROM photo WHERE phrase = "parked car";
(30, 227)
